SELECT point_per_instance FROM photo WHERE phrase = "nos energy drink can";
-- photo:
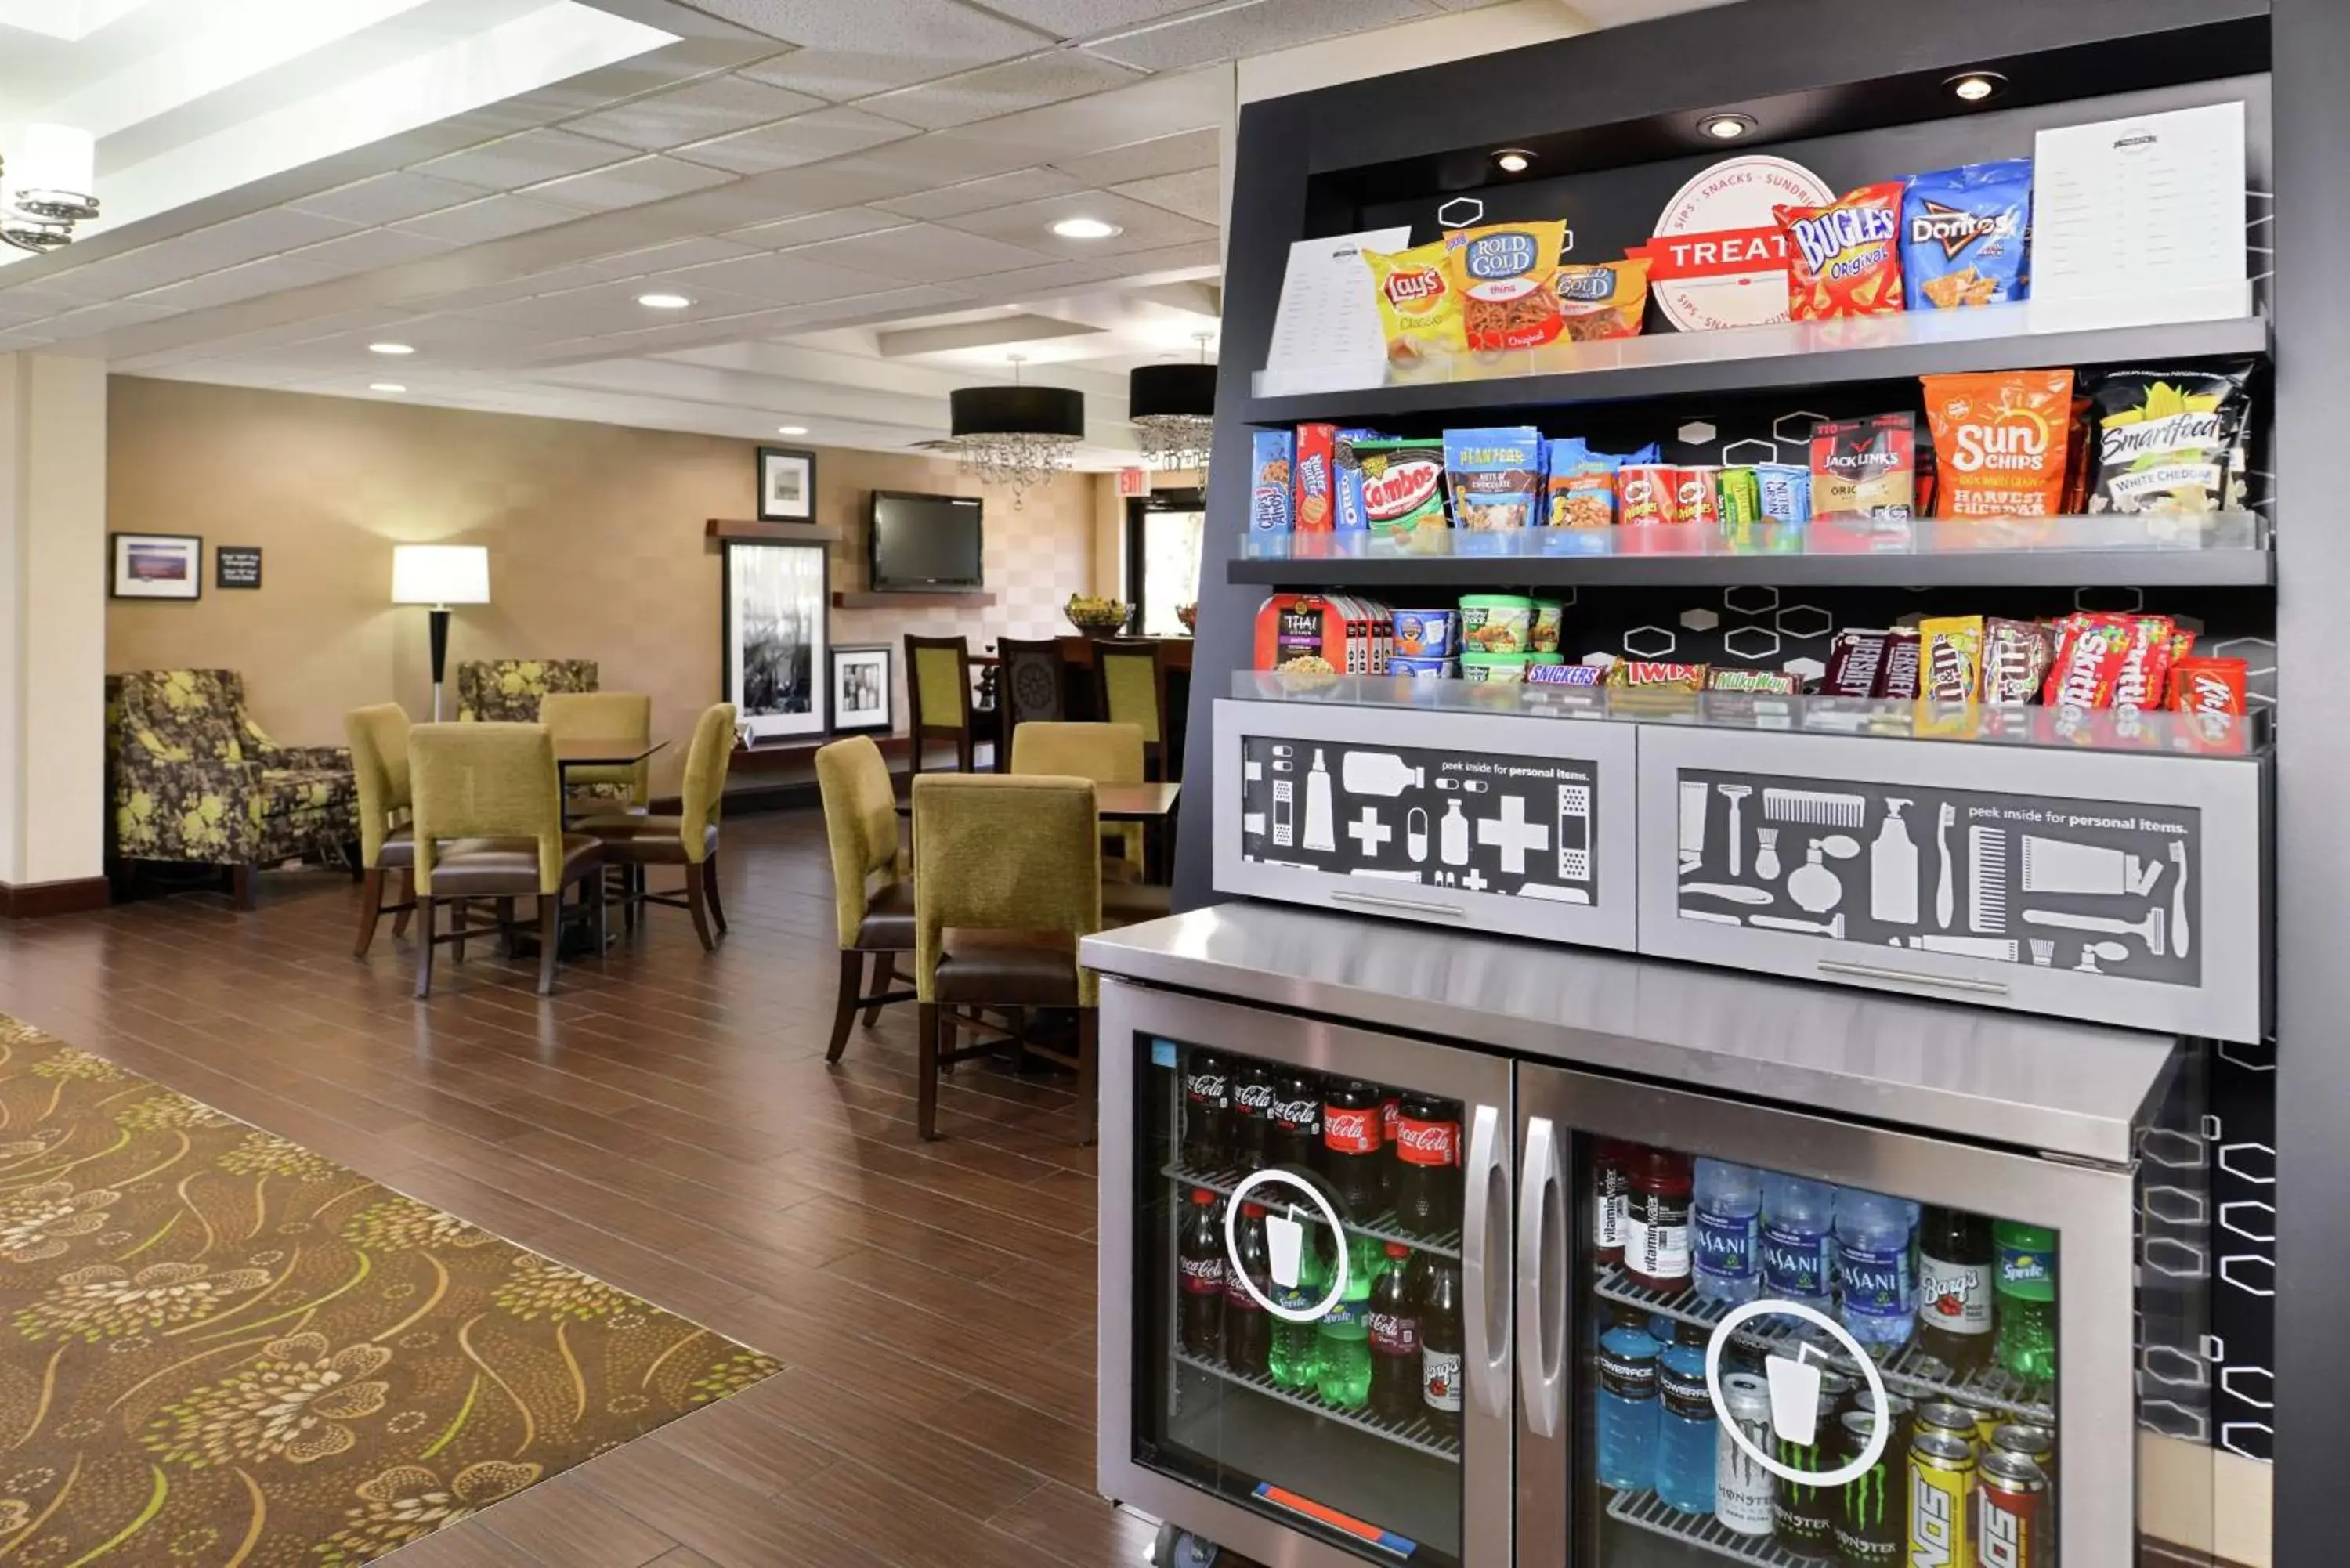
(2011, 1513)
(1941, 1497)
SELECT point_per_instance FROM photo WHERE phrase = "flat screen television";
(924, 544)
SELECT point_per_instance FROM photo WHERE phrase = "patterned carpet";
(220, 1349)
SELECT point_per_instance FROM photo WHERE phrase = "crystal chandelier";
(1017, 435)
(1173, 411)
(46, 187)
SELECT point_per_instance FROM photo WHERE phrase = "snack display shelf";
(2107, 730)
(1417, 1434)
(1647, 1510)
(2133, 550)
(2156, 329)
(1908, 1372)
(1380, 1227)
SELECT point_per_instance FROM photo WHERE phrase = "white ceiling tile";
(785, 277)
(581, 275)
(387, 198)
(367, 250)
(853, 49)
(803, 138)
(24, 338)
(1255, 30)
(629, 184)
(922, 253)
(1198, 195)
(1144, 160)
(666, 258)
(807, 230)
(972, 195)
(1085, 18)
(1050, 77)
(272, 276)
(609, 307)
(1030, 223)
(695, 112)
(513, 162)
(491, 218)
(92, 320)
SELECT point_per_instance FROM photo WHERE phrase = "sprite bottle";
(1345, 1377)
(2025, 1286)
(1295, 1361)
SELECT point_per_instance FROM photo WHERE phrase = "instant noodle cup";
(1550, 617)
(1538, 658)
(1495, 669)
(1425, 634)
(1496, 623)
(1423, 668)
(1503, 273)
(1418, 305)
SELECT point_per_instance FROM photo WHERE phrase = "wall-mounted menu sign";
(1480, 822)
(236, 567)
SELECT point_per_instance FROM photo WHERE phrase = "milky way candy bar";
(1770, 683)
(1855, 660)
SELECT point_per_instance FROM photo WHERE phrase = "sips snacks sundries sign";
(1719, 257)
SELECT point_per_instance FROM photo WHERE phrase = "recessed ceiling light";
(1976, 86)
(391, 349)
(1513, 160)
(1085, 229)
(386, 387)
(791, 429)
(663, 301)
(1726, 126)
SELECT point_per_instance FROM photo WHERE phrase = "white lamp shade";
(56, 158)
(440, 575)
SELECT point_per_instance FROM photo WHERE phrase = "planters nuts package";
(1496, 476)
(1270, 507)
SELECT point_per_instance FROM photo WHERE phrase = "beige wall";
(595, 534)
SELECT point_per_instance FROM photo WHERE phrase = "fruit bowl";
(1190, 616)
(1096, 615)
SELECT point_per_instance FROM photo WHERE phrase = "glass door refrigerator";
(1306, 1296)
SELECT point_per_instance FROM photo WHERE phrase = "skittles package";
(1964, 234)
(1844, 258)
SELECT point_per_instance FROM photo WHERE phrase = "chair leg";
(550, 939)
(428, 908)
(697, 905)
(631, 879)
(506, 930)
(598, 923)
(1088, 1059)
(370, 909)
(243, 890)
(352, 852)
(926, 1104)
(407, 895)
(710, 890)
(885, 975)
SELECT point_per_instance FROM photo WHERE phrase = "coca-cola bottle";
(1251, 1111)
(1248, 1327)
(1207, 1106)
(1390, 1113)
(1351, 1137)
(1440, 1368)
(1293, 1133)
(1395, 1338)
(1428, 1165)
(1200, 1261)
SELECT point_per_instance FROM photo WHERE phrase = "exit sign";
(1134, 482)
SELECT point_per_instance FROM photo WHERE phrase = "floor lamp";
(440, 575)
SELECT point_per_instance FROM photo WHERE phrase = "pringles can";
(1744, 1491)
(1941, 1499)
(2010, 1511)
(1872, 1517)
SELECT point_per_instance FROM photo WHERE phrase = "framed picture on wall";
(861, 697)
(787, 484)
(157, 565)
(777, 672)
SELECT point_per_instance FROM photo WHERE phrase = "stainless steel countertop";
(2076, 1089)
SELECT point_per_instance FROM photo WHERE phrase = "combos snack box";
(1844, 258)
(1608, 300)
(1403, 484)
(1503, 274)
(1865, 468)
(1418, 305)
(1496, 475)
(2169, 441)
(1315, 468)
(2000, 441)
(1271, 508)
(1964, 234)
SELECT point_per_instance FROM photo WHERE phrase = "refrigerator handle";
(1485, 1328)
(1542, 1296)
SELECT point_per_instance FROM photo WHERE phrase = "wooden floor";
(667, 1121)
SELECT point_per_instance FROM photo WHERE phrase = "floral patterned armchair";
(193, 778)
(507, 691)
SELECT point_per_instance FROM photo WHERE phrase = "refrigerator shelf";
(1909, 1373)
(1418, 1435)
(1381, 1226)
(1648, 1511)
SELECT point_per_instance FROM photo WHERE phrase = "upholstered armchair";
(193, 779)
(507, 691)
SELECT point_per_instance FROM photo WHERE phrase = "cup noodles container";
(1425, 634)
(1424, 669)
(1272, 508)
(1648, 494)
(1495, 669)
(1496, 623)
(1550, 622)
(1314, 479)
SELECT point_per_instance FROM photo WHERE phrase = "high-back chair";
(489, 824)
(603, 716)
(1028, 691)
(378, 738)
(872, 894)
(1106, 754)
(1006, 880)
(1130, 686)
(937, 698)
(689, 839)
(509, 691)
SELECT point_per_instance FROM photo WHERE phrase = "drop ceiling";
(857, 196)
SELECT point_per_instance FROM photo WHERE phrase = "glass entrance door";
(1764, 1338)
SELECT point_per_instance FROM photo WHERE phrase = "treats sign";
(1719, 257)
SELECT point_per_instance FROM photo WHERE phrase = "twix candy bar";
(1650, 675)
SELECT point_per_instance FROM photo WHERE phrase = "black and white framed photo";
(787, 484)
(157, 565)
(861, 689)
(777, 670)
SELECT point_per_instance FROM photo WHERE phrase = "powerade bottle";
(1874, 1275)
(1798, 1227)
(1345, 1333)
(1627, 1403)
(1686, 1436)
(1724, 1229)
(1295, 1361)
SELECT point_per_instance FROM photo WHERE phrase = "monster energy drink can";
(1803, 1516)
(1742, 1489)
(1871, 1522)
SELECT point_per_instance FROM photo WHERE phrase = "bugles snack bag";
(1844, 258)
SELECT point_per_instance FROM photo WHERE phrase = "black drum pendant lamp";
(1017, 435)
(1173, 411)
